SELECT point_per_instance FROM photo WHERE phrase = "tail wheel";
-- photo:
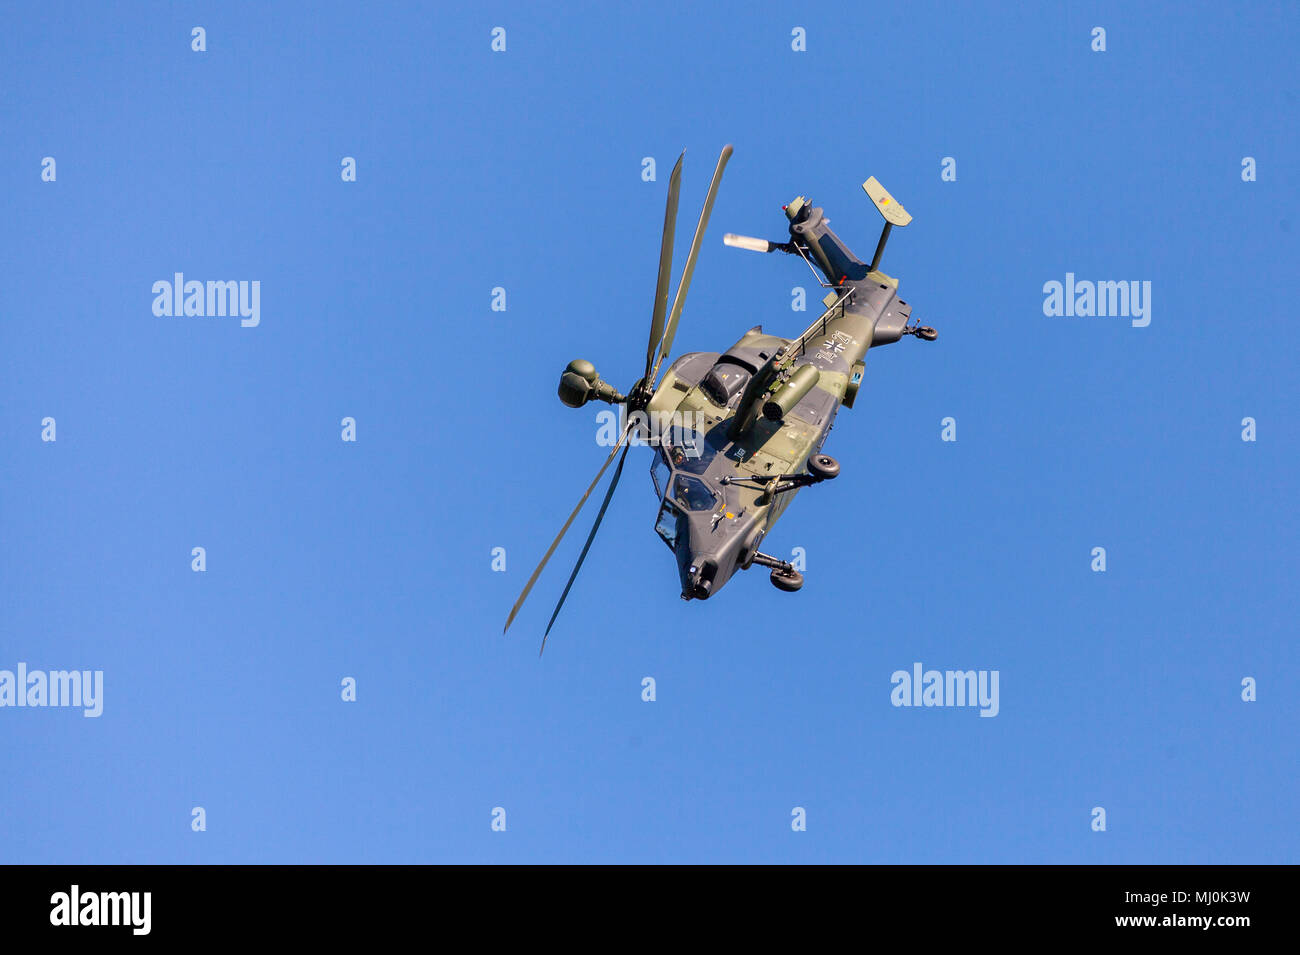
(823, 467)
(789, 581)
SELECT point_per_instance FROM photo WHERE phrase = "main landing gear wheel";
(823, 467)
(787, 580)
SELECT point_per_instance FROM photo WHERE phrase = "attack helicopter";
(759, 412)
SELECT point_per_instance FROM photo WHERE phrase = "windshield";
(659, 474)
(679, 490)
(692, 493)
(666, 526)
(692, 452)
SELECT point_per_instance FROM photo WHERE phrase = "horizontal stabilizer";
(888, 206)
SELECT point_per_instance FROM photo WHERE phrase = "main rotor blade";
(665, 263)
(600, 516)
(563, 530)
(684, 285)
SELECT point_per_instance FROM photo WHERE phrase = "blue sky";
(522, 170)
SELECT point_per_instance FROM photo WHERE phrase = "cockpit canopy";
(681, 489)
(724, 382)
(692, 493)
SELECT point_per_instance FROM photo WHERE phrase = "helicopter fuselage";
(736, 434)
(718, 482)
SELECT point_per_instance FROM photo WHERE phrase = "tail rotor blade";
(684, 285)
(564, 530)
(600, 516)
(746, 242)
(665, 264)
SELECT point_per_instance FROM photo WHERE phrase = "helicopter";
(756, 416)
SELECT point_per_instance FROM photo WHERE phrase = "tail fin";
(809, 228)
